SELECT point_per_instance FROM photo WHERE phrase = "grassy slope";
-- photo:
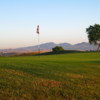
(56, 77)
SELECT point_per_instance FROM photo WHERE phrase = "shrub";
(57, 49)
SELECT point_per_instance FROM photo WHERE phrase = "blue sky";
(59, 20)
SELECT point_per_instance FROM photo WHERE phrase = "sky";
(60, 21)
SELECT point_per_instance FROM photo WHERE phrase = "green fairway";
(52, 77)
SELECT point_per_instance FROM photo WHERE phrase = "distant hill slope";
(48, 46)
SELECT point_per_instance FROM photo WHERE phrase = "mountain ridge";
(84, 46)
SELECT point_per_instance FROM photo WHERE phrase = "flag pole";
(38, 40)
(38, 44)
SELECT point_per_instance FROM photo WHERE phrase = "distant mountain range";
(48, 46)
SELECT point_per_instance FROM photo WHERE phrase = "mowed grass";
(53, 77)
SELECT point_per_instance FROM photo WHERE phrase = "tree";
(57, 49)
(94, 35)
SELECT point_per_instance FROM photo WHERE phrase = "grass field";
(53, 77)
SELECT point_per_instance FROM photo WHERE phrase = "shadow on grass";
(60, 52)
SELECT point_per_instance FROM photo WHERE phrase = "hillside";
(48, 46)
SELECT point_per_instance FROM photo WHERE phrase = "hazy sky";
(59, 20)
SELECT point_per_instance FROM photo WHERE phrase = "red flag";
(38, 30)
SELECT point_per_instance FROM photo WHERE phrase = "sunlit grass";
(52, 77)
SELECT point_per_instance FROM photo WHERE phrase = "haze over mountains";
(48, 46)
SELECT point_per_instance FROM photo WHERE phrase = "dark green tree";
(94, 35)
(57, 49)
